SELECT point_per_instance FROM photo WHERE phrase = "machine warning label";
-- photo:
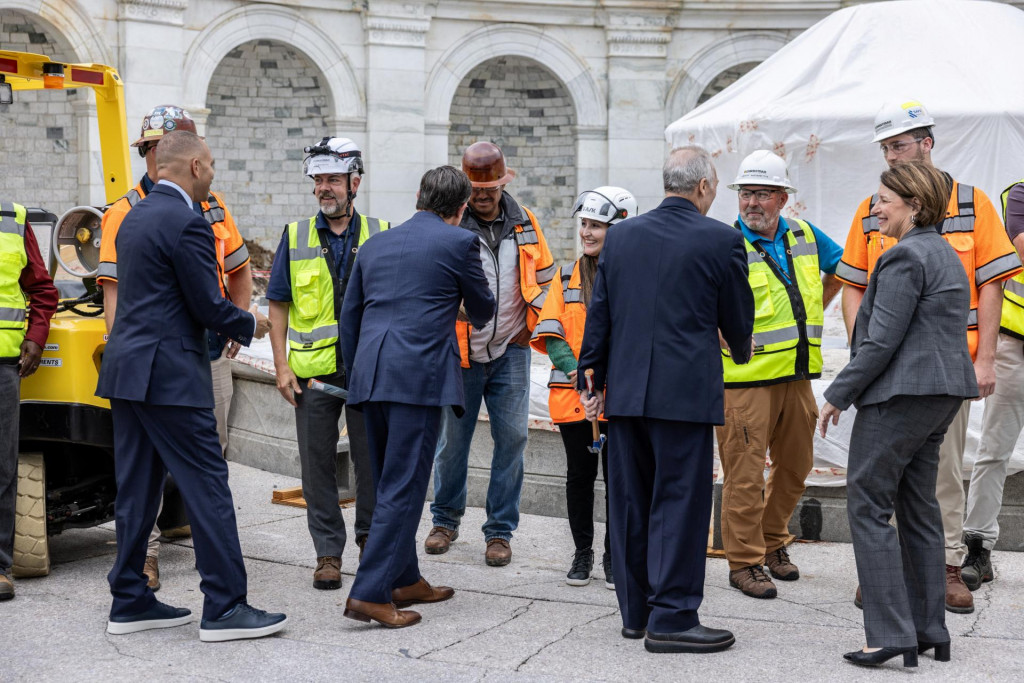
(51, 347)
(51, 362)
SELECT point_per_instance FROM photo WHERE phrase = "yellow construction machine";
(66, 463)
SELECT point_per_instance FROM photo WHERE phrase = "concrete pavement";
(515, 623)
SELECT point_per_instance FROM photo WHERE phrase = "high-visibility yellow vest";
(1012, 321)
(316, 302)
(13, 259)
(788, 318)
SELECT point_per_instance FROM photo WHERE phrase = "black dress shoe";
(884, 655)
(941, 649)
(633, 633)
(699, 639)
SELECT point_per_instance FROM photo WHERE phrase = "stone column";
(637, 83)
(152, 55)
(395, 82)
(90, 162)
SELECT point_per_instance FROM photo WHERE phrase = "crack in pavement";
(563, 637)
(516, 613)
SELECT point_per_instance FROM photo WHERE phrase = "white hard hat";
(333, 155)
(763, 167)
(606, 204)
(899, 117)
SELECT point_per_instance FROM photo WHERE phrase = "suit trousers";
(778, 419)
(1000, 429)
(660, 479)
(893, 464)
(149, 441)
(10, 405)
(316, 426)
(402, 440)
(949, 486)
(580, 476)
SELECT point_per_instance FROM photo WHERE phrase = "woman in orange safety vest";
(559, 334)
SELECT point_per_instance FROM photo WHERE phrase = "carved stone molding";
(397, 31)
(638, 43)
(170, 12)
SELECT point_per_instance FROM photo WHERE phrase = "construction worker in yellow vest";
(1004, 413)
(28, 300)
(307, 285)
(769, 406)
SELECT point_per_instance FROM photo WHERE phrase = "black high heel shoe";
(885, 654)
(941, 649)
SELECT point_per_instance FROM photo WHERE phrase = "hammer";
(599, 438)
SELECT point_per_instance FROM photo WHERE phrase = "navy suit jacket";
(666, 282)
(167, 297)
(398, 319)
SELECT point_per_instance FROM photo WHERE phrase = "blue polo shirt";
(829, 252)
(280, 286)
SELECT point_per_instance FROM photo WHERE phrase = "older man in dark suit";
(400, 351)
(668, 281)
(156, 374)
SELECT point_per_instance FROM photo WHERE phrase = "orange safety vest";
(536, 270)
(563, 317)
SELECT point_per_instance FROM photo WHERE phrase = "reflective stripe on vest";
(13, 259)
(788, 320)
(1012, 321)
(313, 313)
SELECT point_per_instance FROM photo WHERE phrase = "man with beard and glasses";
(904, 133)
(307, 285)
(769, 404)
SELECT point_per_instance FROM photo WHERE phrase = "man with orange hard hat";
(495, 358)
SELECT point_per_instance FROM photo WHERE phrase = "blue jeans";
(504, 384)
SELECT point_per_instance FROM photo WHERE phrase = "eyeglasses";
(898, 147)
(762, 195)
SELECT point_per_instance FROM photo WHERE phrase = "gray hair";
(685, 167)
(443, 190)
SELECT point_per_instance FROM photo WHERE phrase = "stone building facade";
(577, 92)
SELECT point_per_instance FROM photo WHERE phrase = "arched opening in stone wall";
(724, 80)
(39, 154)
(527, 111)
(267, 101)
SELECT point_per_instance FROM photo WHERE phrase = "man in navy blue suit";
(402, 360)
(156, 374)
(668, 284)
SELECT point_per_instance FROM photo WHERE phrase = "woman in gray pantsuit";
(909, 372)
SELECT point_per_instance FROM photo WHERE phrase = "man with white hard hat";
(972, 227)
(307, 285)
(769, 404)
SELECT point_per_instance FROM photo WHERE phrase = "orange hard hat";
(164, 119)
(484, 163)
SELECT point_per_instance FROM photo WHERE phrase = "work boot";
(184, 531)
(609, 577)
(327, 575)
(958, 599)
(582, 564)
(753, 581)
(499, 552)
(439, 540)
(6, 587)
(977, 567)
(361, 543)
(780, 565)
(152, 571)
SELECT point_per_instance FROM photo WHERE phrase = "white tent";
(815, 100)
(814, 103)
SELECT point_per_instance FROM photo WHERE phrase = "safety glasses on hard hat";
(609, 210)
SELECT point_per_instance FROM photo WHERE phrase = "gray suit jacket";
(910, 337)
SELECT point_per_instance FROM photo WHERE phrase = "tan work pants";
(949, 485)
(777, 419)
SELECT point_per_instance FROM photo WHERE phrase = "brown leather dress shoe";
(384, 614)
(361, 543)
(753, 581)
(439, 540)
(420, 592)
(152, 571)
(499, 552)
(327, 575)
(958, 598)
(6, 587)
